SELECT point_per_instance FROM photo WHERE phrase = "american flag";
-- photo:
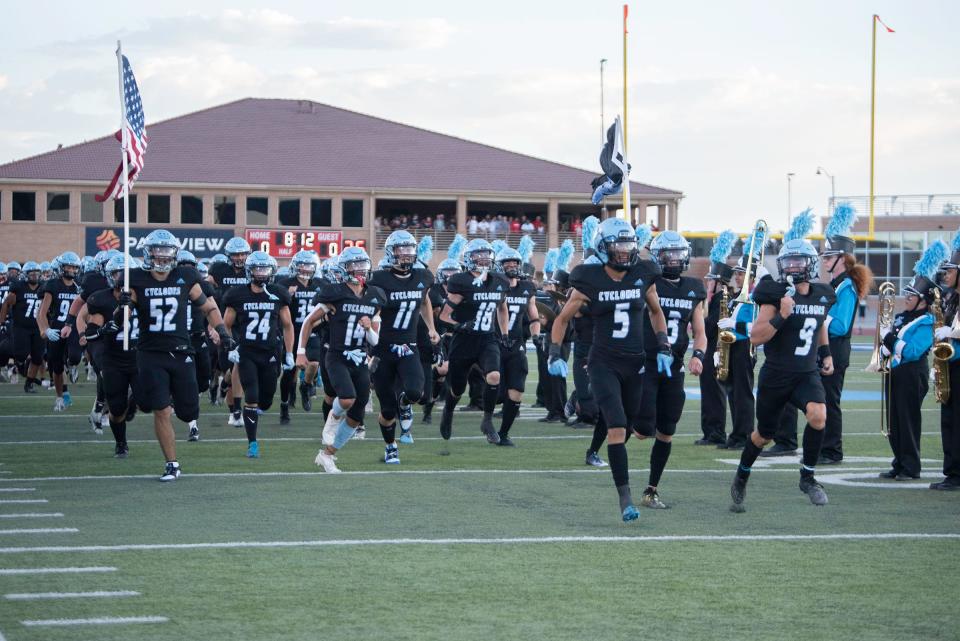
(133, 131)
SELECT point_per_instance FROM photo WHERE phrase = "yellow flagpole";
(627, 211)
(873, 112)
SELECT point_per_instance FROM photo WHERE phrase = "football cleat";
(486, 426)
(810, 487)
(330, 429)
(406, 437)
(391, 455)
(284, 414)
(253, 450)
(29, 388)
(194, 433)
(104, 420)
(120, 451)
(652, 500)
(74, 375)
(360, 434)
(505, 442)
(593, 459)
(45, 383)
(738, 491)
(569, 408)
(327, 462)
(235, 420)
(630, 513)
(305, 397)
(446, 422)
(59, 405)
(67, 399)
(406, 418)
(171, 472)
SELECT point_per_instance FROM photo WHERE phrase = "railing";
(906, 205)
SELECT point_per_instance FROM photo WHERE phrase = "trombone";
(878, 363)
(759, 229)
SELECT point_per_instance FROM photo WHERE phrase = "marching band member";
(713, 400)
(906, 344)
(949, 280)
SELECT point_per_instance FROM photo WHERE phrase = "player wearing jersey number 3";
(616, 293)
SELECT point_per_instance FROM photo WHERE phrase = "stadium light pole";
(603, 136)
(833, 185)
(790, 176)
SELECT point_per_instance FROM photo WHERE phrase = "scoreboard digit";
(284, 243)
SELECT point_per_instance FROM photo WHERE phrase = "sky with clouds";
(725, 98)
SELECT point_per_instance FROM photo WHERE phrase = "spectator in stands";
(538, 225)
(514, 225)
(472, 226)
(483, 227)
(439, 224)
(527, 226)
(577, 226)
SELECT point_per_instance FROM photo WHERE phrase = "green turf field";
(469, 541)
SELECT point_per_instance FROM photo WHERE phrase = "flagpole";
(873, 112)
(124, 143)
(627, 210)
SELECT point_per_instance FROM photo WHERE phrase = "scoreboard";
(284, 243)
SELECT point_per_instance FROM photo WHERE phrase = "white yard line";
(76, 570)
(668, 538)
(21, 501)
(34, 596)
(42, 530)
(18, 489)
(95, 621)
(33, 515)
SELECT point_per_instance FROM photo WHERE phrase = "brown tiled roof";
(258, 141)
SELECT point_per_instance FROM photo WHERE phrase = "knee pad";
(388, 414)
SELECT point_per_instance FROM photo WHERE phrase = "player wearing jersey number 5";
(790, 325)
(617, 294)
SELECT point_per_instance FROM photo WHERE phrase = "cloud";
(3, 81)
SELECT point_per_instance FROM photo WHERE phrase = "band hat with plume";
(754, 242)
(455, 251)
(954, 260)
(925, 270)
(837, 233)
(550, 263)
(722, 247)
(526, 248)
(588, 232)
(425, 250)
(565, 255)
(800, 227)
(498, 246)
(644, 235)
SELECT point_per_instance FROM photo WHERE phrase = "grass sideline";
(381, 553)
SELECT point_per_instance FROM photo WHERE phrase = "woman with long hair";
(852, 282)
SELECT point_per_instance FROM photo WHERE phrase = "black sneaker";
(121, 450)
(949, 484)
(305, 399)
(779, 450)
(486, 426)
(28, 388)
(738, 491)
(505, 441)
(903, 476)
(171, 472)
(889, 474)
(427, 414)
(471, 408)
(829, 460)
(732, 446)
(284, 414)
(446, 422)
(551, 418)
(810, 487)
(706, 440)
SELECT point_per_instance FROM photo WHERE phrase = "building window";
(58, 207)
(90, 210)
(24, 205)
(290, 212)
(191, 210)
(256, 210)
(353, 213)
(321, 210)
(224, 210)
(118, 209)
(158, 208)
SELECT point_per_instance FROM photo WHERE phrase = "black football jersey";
(164, 308)
(617, 307)
(257, 324)
(4, 289)
(225, 276)
(104, 302)
(345, 332)
(478, 310)
(678, 299)
(62, 297)
(92, 282)
(197, 321)
(301, 298)
(437, 295)
(794, 347)
(517, 300)
(401, 310)
(25, 310)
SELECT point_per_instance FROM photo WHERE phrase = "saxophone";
(942, 353)
(878, 363)
(725, 338)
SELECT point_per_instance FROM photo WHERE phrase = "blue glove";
(288, 362)
(355, 356)
(401, 350)
(53, 335)
(557, 367)
(664, 363)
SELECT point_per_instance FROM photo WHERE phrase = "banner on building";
(203, 243)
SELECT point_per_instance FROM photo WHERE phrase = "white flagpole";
(124, 145)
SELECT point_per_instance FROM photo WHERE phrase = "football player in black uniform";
(523, 320)
(617, 294)
(58, 295)
(162, 294)
(22, 303)
(475, 303)
(438, 293)
(257, 313)
(681, 299)
(398, 377)
(302, 285)
(199, 334)
(104, 325)
(225, 275)
(351, 309)
(6, 342)
(790, 325)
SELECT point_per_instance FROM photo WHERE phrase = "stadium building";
(293, 174)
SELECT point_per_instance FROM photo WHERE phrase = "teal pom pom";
(929, 263)
(801, 226)
(590, 224)
(550, 263)
(566, 253)
(843, 219)
(644, 235)
(526, 248)
(722, 246)
(425, 249)
(498, 246)
(455, 251)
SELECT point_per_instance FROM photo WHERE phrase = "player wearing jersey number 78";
(616, 293)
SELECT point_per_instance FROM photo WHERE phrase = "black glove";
(226, 340)
(890, 341)
(3, 329)
(110, 329)
(438, 356)
(538, 340)
(506, 342)
(126, 300)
